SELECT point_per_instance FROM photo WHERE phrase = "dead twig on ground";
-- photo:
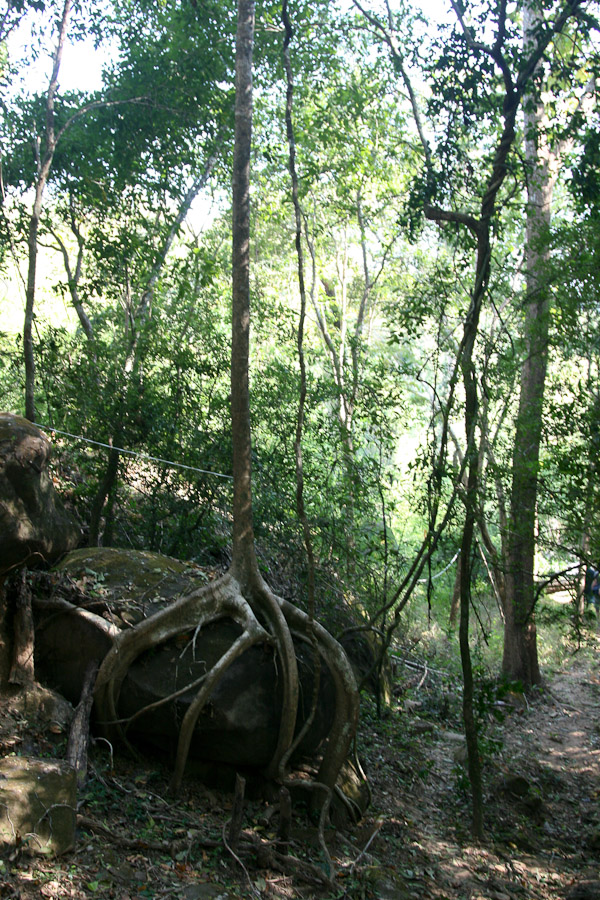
(170, 848)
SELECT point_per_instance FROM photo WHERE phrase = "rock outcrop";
(35, 528)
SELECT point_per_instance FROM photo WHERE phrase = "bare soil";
(542, 783)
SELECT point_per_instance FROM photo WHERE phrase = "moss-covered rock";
(38, 804)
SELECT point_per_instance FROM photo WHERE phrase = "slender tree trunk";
(300, 506)
(520, 660)
(105, 487)
(244, 567)
(480, 228)
(455, 602)
(471, 512)
(591, 490)
(44, 162)
(243, 553)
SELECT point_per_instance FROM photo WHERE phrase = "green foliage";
(159, 115)
(585, 183)
(173, 407)
(11, 372)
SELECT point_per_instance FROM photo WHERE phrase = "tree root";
(263, 617)
(345, 719)
(269, 605)
(195, 708)
(207, 604)
(268, 857)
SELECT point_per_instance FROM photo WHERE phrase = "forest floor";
(541, 761)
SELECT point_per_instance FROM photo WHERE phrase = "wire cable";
(158, 459)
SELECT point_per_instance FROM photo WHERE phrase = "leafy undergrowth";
(542, 782)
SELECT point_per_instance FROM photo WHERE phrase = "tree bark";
(79, 735)
(237, 812)
(243, 553)
(520, 659)
(22, 670)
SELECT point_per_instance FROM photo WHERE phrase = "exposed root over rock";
(257, 618)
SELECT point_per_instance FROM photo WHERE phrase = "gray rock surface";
(38, 805)
(35, 528)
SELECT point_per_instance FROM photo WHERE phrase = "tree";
(241, 593)
(543, 152)
(520, 661)
(126, 166)
(44, 157)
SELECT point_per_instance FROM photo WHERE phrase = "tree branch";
(436, 214)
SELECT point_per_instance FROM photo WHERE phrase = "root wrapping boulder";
(239, 725)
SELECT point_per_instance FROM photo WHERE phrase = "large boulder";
(35, 528)
(116, 589)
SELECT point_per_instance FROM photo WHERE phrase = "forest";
(304, 295)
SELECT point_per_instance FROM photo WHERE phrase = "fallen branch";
(79, 735)
(364, 851)
(419, 666)
(22, 670)
(172, 848)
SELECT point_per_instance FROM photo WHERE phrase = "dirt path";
(542, 805)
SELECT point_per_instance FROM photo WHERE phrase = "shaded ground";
(542, 768)
(542, 803)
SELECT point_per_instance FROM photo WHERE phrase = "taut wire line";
(158, 459)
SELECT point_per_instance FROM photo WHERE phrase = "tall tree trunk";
(520, 659)
(243, 553)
